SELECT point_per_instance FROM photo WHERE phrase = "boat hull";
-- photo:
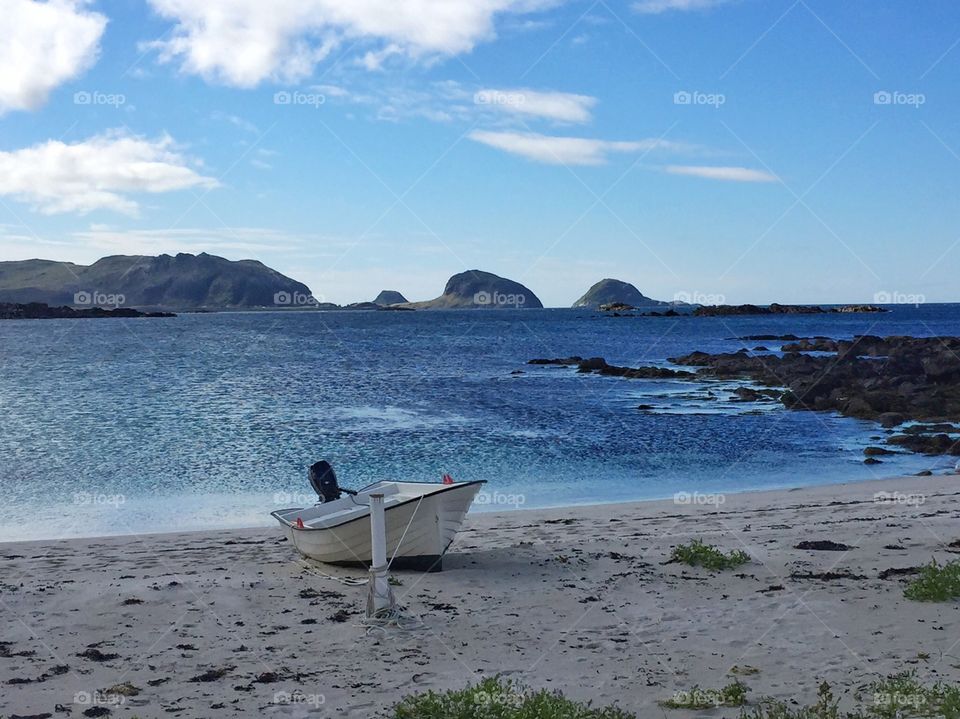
(419, 531)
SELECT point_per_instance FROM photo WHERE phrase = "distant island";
(616, 294)
(776, 309)
(207, 283)
(390, 297)
(41, 311)
(475, 289)
(181, 282)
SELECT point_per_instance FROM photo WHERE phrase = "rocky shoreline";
(41, 311)
(896, 381)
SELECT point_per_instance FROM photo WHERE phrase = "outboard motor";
(324, 481)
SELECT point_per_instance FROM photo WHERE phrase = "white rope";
(346, 581)
(393, 617)
(402, 536)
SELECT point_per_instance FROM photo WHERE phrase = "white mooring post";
(380, 597)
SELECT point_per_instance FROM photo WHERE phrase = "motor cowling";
(324, 481)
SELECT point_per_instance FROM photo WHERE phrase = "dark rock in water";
(930, 428)
(877, 451)
(40, 311)
(564, 361)
(860, 308)
(872, 460)
(616, 307)
(926, 444)
(914, 381)
(616, 294)
(390, 297)
(594, 363)
(761, 348)
(599, 365)
(475, 289)
(823, 545)
(774, 309)
(848, 383)
(184, 281)
(777, 309)
(749, 394)
(814, 344)
(890, 419)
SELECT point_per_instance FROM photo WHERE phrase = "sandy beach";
(583, 600)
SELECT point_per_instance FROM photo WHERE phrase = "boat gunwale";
(445, 488)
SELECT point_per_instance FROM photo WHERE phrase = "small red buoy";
(299, 523)
(447, 479)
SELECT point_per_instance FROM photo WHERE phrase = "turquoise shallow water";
(206, 421)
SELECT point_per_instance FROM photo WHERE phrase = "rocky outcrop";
(475, 289)
(777, 309)
(183, 281)
(41, 311)
(598, 365)
(891, 380)
(616, 293)
(390, 297)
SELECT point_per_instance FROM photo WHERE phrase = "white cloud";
(98, 173)
(244, 42)
(561, 106)
(729, 174)
(565, 150)
(655, 7)
(42, 45)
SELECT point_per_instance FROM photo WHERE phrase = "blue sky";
(743, 150)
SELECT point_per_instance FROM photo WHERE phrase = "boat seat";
(359, 511)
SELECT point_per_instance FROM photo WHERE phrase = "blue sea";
(209, 420)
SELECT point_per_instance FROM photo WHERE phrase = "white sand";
(574, 599)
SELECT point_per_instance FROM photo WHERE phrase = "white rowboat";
(422, 518)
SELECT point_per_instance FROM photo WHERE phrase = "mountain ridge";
(181, 281)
